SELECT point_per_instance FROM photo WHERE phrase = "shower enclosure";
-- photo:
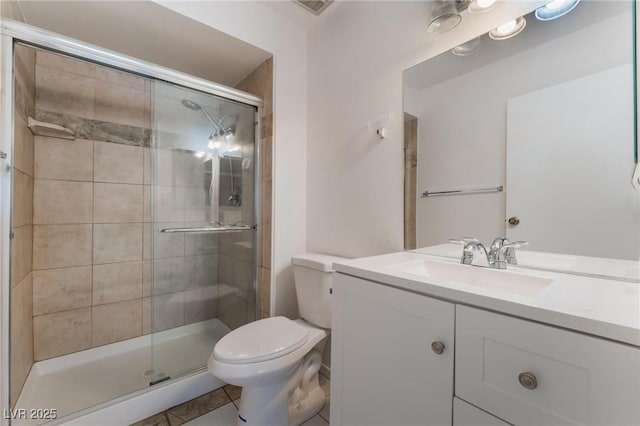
(129, 242)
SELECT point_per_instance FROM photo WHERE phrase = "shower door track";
(12, 32)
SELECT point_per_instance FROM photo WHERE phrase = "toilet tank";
(313, 276)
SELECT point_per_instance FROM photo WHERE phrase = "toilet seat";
(261, 341)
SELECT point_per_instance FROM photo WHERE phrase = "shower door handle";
(209, 229)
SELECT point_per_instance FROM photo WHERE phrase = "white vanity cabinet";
(465, 414)
(384, 370)
(508, 370)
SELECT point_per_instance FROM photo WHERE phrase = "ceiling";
(148, 31)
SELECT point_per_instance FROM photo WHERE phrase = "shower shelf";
(210, 229)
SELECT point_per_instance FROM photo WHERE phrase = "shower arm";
(216, 125)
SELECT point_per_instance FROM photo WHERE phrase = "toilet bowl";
(276, 360)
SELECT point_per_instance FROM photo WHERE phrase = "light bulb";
(505, 29)
(557, 4)
(555, 9)
(508, 29)
(483, 4)
(199, 154)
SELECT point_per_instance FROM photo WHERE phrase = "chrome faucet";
(501, 252)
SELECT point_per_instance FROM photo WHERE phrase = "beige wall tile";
(62, 201)
(146, 315)
(21, 335)
(168, 275)
(200, 304)
(200, 244)
(168, 311)
(195, 209)
(23, 146)
(117, 163)
(171, 165)
(64, 92)
(61, 333)
(146, 172)
(234, 311)
(22, 199)
(65, 63)
(120, 78)
(116, 322)
(56, 290)
(21, 253)
(117, 203)
(60, 246)
(120, 104)
(146, 278)
(117, 242)
(63, 159)
(168, 204)
(116, 282)
(200, 271)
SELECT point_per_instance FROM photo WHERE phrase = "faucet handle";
(464, 241)
(516, 244)
(510, 251)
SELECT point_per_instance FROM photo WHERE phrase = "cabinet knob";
(528, 380)
(437, 347)
(514, 220)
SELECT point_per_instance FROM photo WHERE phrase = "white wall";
(356, 60)
(262, 27)
(469, 149)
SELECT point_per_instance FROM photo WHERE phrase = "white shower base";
(95, 386)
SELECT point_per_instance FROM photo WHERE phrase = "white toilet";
(276, 360)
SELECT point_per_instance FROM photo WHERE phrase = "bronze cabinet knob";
(528, 380)
(437, 347)
(514, 220)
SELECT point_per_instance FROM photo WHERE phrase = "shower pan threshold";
(109, 384)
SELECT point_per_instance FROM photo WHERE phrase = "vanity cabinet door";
(531, 374)
(467, 415)
(384, 370)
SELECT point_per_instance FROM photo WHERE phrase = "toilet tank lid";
(318, 261)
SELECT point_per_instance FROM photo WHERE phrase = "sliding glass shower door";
(201, 225)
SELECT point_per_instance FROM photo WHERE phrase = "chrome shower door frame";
(12, 32)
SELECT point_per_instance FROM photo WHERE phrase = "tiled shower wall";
(94, 254)
(88, 209)
(22, 222)
(260, 82)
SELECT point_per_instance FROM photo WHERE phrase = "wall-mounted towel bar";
(209, 229)
(462, 192)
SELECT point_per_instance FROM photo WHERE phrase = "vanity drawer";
(531, 374)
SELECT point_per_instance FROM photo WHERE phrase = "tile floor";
(219, 408)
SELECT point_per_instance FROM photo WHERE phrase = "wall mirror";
(532, 137)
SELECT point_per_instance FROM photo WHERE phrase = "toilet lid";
(260, 341)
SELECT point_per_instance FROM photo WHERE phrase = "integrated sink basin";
(486, 278)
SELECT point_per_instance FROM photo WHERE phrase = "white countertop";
(603, 307)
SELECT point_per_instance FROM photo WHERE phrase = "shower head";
(191, 105)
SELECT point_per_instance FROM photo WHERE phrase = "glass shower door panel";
(201, 236)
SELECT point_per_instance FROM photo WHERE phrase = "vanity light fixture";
(508, 29)
(444, 16)
(555, 9)
(481, 6)
(467, 48)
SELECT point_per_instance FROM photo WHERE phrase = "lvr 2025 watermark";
(30, 413)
